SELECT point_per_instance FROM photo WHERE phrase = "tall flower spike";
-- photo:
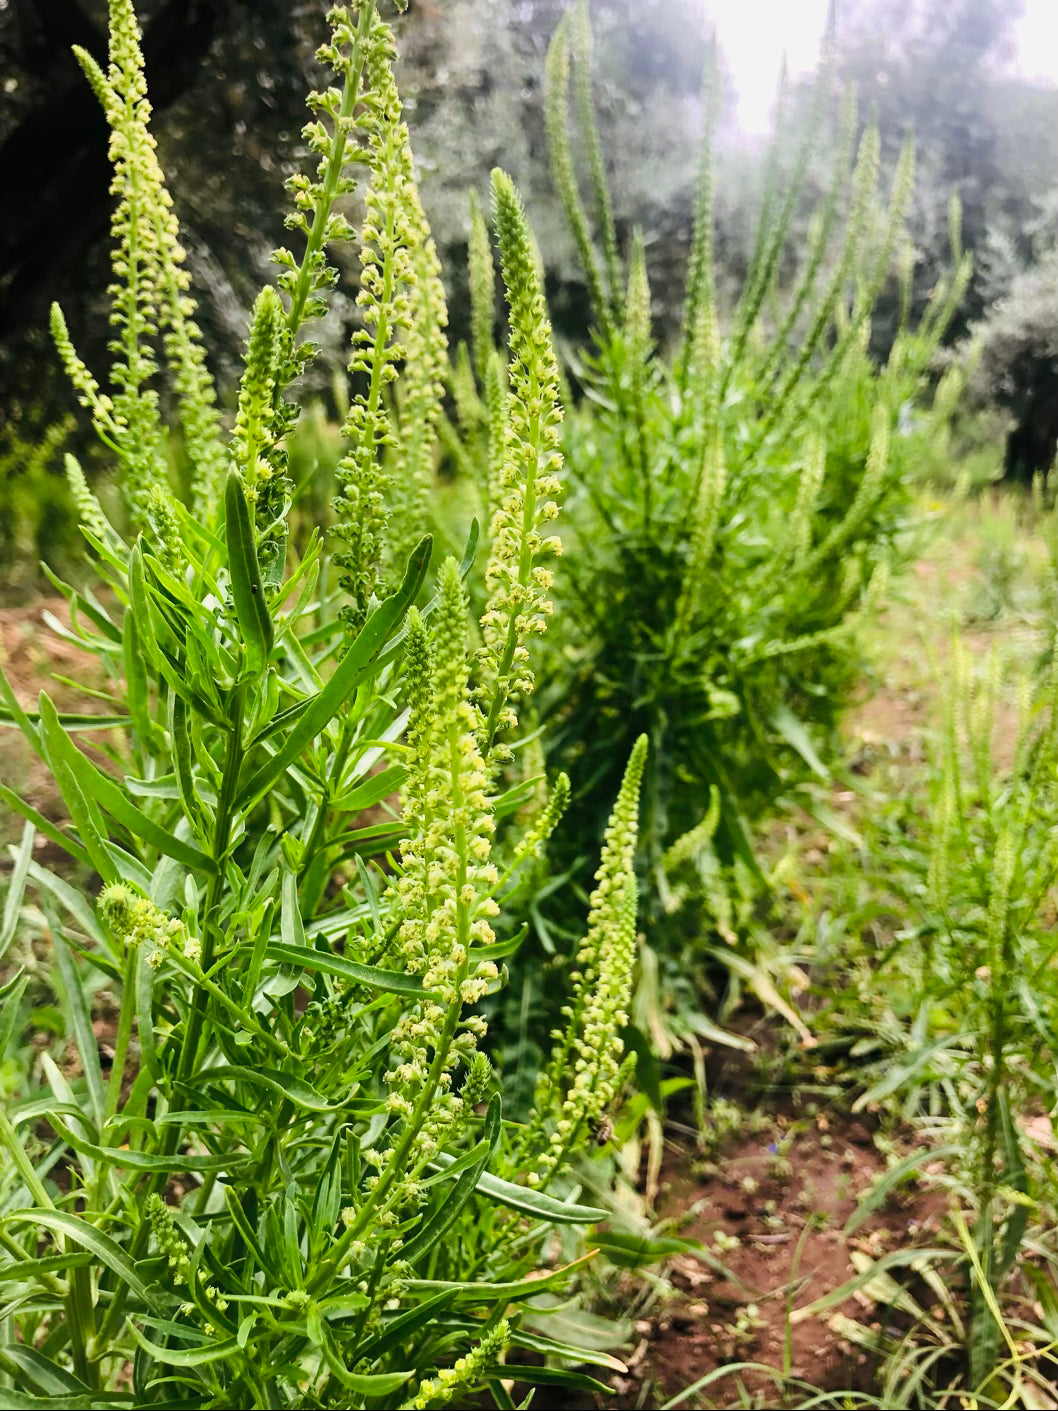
(150, 292)
(402, 310)
(712, 480)
(517, 583)
(422, 382)
(482, 278)
(329, 136)
(464, 1372)
(259, 458)
(556, 114)
(602, 981)
(89, 510)
(444, 894)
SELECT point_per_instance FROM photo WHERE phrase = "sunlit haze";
(755, 34)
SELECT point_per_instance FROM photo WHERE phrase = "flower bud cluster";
(327, 136)
(89, 510)
(172, 1246)
(136, 920)
(590, 1047)
(165, 528)
(464, 1372)
(402, 310)
(528, 486)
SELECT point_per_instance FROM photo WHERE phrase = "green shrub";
(36, 518)
(733, 503)
(294, 1185)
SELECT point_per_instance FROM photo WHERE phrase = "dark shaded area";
(1032, 444)
(54, 163)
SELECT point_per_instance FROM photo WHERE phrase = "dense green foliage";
(294, 1185)
(734, 503)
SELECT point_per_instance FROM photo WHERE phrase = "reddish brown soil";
(770, 1207)
(32, 656)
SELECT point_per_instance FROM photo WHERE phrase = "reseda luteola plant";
(733, 501)
(295, 1186)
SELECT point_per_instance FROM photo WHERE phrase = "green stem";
(124, 1034)
(333, 175)
(196, 1016)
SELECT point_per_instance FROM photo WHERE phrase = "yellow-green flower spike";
(403, 313)
(482, 279)
(529, 486)
(582, 1076)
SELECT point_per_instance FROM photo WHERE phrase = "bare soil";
(771, 1206)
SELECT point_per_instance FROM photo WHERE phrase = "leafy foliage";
(733, 503)
(294, 1185)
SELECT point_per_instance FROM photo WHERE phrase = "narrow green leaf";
(528, 1201)
(176, 677)
(141, 1161)
(371, 790)
(79, 1022)
(72, 900)
(792, 730)
(13, 711)
(390, 981)
(180, 739)
(554, 1377)
(448, 1210)
(353, 669)
(136, 677)
(245, 1229)
(33, 1269)
(567, 1351)
(502, 1293)
(247, 589)
(469, 1158)
(186, 1356)
(11, 800)
(42, 1371)
(375, 1384)
(16, 888)
(85, 816)
(141, 608)
(11, 1009)
(88, 1237)
(291, 927)
(538, 1203)
(295, 1089)
(111, 797)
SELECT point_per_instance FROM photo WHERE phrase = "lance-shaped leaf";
(110, 796)
(389, 981)
(351, 671)
(247, 589)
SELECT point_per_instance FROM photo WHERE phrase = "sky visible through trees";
(755, 36)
